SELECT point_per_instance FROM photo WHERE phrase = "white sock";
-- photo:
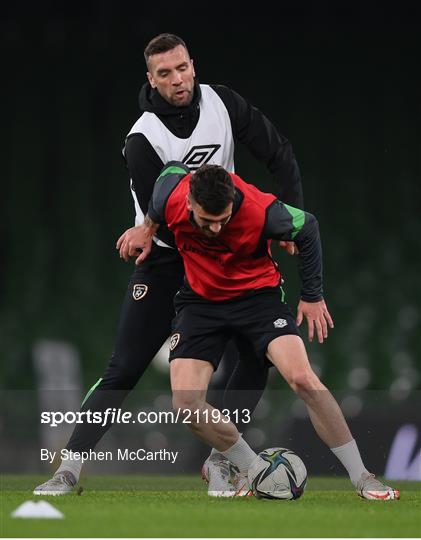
(215, 451)
(240, 454)
(72, 465)
(349, 455)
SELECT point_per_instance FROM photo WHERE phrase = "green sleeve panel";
(284, 222)
(172, 169)
(298, 219)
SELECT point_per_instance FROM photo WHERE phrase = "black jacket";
(249, 126)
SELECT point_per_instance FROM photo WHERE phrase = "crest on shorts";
(139, 291)
(279, 323)
(174, 339)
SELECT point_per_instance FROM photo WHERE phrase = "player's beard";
(184, 100)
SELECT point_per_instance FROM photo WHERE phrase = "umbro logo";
(199, 155)
(280, 323)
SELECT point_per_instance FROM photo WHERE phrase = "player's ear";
(194, 73)
(188, 203)
(150, 79)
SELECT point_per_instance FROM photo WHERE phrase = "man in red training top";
(222, 228)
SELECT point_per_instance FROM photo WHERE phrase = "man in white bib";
(194, 123)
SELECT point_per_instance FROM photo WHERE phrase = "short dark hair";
(212, 188)
(162, 43)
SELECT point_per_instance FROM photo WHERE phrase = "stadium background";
(343, 83)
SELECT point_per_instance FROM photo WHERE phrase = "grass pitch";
(146, 506)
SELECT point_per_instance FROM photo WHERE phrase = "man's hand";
(318, 317)
(134, 240)
(289, 247)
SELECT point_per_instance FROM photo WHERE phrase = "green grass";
(179, 507)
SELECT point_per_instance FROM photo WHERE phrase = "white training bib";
(210, 142)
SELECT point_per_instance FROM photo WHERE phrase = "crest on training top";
(139, 291)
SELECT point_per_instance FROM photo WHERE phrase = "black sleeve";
(170, 176)
(144, 166)
(252, 128)
(284, 222)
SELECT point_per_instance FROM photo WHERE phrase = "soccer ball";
(277, 473)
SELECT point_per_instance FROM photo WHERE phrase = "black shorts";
(201, 328)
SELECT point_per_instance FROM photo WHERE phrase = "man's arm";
(137, 239)
(284, 222)
(140, 238)
(168, 179)
(252, 128)
(144, 166)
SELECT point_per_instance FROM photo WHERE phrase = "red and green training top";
(239, 259)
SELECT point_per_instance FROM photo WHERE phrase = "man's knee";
(190, 403)
(304, 381)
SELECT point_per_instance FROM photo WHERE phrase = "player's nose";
(215, 227)
(177, 79)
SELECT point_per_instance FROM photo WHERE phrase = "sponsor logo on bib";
(199, 155)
